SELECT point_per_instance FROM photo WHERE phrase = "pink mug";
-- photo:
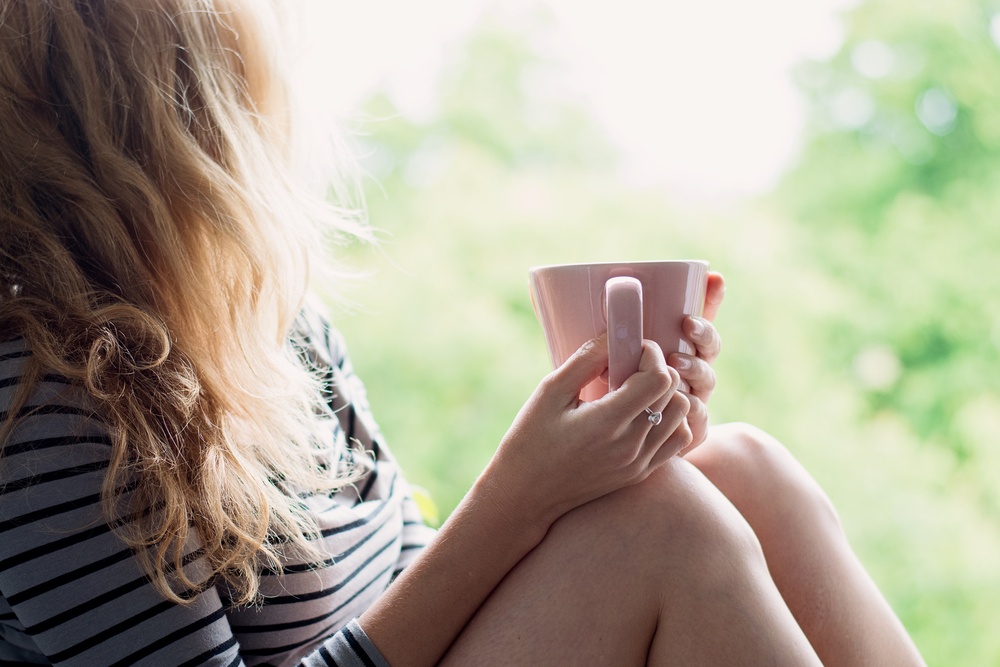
(629, 300)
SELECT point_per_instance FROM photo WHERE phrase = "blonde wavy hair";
(156, 245)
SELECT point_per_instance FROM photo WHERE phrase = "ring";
(654, 417)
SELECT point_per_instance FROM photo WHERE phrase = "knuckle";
(657, 353)
(700, 373)
(710, 379)
(697, 411)
(667, 379)
(680, 401)
(685, 435)
(550, 382)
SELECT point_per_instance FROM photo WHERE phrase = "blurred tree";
(895, 195)
(500, 98)
(469, 184)
(879, 293)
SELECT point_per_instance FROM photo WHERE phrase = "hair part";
(155, 247)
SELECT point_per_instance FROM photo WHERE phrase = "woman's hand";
(562, 452)
(696, 370)
(559, 453)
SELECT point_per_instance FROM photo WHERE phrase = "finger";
(676, 430)
(704, 336)
(714, 294)
(698, 373)
(679, 441)
(697, 420)
(652, 421)
(584, 365)
(675, 412)
(653, 382)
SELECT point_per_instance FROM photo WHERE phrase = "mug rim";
(571, 265)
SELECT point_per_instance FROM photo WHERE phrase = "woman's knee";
(675, 521)
(609, 572)
(761, 477)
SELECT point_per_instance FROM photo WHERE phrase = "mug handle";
(624, 308)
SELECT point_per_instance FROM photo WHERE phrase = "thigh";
(582, 597)
(663, 572)
(822, 581)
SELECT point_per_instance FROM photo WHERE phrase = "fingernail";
(698, 328)
(682, 363)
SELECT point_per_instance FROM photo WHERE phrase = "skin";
(696, 369)
(559, 454)
(588, 540)
(834, 600)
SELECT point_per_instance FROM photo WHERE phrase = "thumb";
(714, 294)
(586, 364)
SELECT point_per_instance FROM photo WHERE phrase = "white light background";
(698, 96)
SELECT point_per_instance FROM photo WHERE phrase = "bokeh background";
(839, 162)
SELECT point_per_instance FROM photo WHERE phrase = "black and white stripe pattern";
(72, 593)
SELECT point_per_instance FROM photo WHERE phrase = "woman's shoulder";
(48, 388)
(15, 354)
(51, 428)
(314, 336)
(11, 351)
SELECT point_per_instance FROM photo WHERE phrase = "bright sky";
(698, 95)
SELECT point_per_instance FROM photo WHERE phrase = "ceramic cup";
(629, 300)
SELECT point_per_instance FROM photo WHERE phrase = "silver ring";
(654, 417)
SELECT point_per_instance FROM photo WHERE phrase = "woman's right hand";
(558, 454)
(562, 452)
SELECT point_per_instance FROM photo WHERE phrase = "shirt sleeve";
(349, 400)
(73, 592)
(350, 647)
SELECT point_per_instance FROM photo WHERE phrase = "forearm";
(425, 609)
(558, 454)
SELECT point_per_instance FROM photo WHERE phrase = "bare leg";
(835, 602)
(665, 572)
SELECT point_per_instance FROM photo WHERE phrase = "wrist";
(422, 612)
(508, 499)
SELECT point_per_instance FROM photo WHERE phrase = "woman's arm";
(70, 589)
(72, 592)
(559, 454)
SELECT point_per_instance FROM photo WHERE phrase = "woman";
(190, 474)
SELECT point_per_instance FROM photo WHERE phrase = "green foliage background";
(861, 322)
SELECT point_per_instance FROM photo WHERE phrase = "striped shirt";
(72, 593)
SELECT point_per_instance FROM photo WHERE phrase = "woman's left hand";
(696, 369)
